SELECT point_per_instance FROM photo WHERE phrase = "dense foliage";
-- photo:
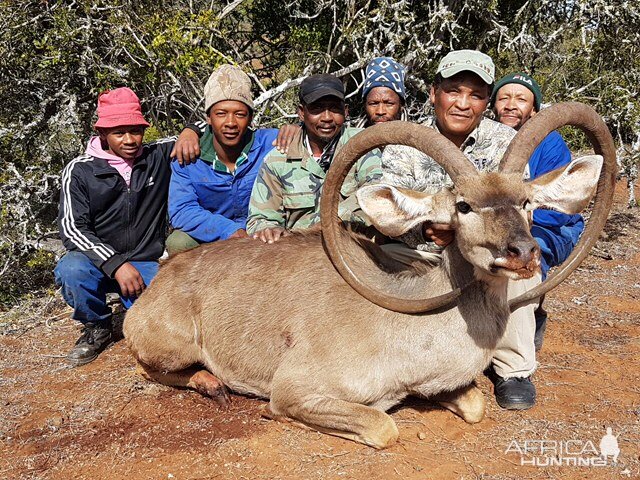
(56, 56)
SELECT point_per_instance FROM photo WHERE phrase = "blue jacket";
(208, 202)
(556, 233)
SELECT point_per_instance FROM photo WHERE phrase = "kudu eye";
(463, 207)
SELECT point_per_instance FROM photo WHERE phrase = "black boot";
(94, 339)
(515, 393)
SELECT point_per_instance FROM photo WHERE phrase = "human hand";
(439, 233)
(187, 147)
(271, 235)
(285, 137)
(242, 233)
(130, 281)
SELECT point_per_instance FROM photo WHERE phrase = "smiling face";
(382, 105)
(124, 141)
(229, 121)
(459, 103)
(514, 105)
(323, 118)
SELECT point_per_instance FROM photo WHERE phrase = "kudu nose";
(523, 250)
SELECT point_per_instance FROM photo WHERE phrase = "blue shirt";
(556, 233)
(206, 200)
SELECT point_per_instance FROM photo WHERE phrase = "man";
(460, 94)
(383, 94)
(515, 99)
(209, 199)
(112, 219)
(286, 195)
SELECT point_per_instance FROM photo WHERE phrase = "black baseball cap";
(320, 85)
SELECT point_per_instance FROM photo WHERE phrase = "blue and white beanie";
(384, 72)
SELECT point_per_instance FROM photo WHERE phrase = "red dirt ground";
(104, 421)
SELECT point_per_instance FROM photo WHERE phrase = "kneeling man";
(209, 199)
(286, 195)
(112, 219)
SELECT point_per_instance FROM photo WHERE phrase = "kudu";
(282, 322)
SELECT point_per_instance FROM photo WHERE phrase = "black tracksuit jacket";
(112, 223)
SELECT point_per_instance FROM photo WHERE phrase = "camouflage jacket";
(407, 167)
(288, 187)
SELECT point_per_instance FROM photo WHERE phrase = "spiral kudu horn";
(515, 159)
(367, 278)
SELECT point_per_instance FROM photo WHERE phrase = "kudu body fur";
(278, 321)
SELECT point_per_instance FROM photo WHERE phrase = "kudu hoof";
(210, 386)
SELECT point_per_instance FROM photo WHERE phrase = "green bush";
(32, 271)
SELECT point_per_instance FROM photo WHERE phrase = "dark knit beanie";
(522, 79)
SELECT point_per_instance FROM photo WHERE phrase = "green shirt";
(288, 188)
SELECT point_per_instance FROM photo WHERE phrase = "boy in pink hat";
(112, 219)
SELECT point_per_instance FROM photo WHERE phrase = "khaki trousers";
(515, 355)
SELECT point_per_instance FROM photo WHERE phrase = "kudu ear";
(568, 189)
(394, 211)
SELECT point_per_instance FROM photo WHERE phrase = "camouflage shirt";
(288, 187)
(407, 167)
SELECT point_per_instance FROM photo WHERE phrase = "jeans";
(85, 286)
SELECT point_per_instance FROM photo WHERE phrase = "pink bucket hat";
(119, 107)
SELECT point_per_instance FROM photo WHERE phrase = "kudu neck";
(457, 269)
(483, 303)
(464, 275)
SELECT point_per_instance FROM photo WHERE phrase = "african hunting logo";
(575, 453)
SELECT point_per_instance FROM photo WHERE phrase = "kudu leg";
(198, 379)
(467, 402)
(352, 421)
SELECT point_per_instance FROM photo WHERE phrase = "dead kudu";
(331, 329)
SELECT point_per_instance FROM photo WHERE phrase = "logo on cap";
(523, 79)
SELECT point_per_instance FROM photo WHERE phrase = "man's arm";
(187, 147)
(556, 233)
(266, 210)
(74, 220)
(556, 244)
(368, 169)
(187, 215)
(551, 154)
(285, 137)
(168, 147)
